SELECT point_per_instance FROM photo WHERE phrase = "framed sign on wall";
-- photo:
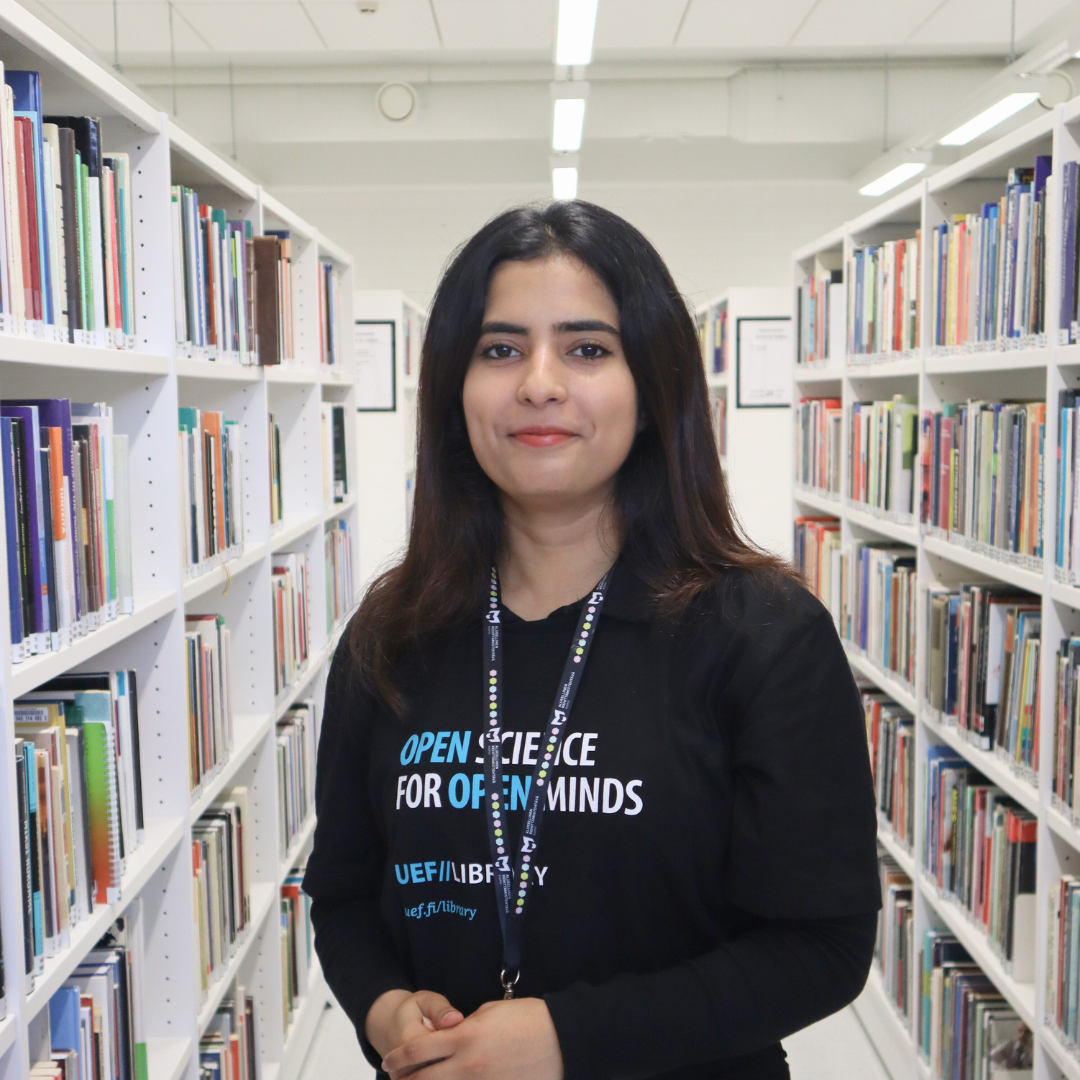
(763, 362)
(376, 371)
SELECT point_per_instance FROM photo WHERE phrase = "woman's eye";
(500, 351)
(590, 350)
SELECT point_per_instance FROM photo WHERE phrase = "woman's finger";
(437, 1009)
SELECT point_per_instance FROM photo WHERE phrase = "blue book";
(11, 534)
(64, 1019)
(26, 89)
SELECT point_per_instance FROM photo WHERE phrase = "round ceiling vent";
(396, 101)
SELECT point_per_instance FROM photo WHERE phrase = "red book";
(32, 225)
(24, 237)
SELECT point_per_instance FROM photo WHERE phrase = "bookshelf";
(1028, 368)
(146, 386)
(753, 445)
(387, 443)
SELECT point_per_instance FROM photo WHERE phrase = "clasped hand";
(422, 1034)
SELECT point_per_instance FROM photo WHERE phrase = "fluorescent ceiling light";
(577, 21)
(569, 118)
(893, 178)
(996, 114)
(564, 183)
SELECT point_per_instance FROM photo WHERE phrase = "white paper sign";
(764, 362)
(373, 343)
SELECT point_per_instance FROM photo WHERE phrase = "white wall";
(712, 235)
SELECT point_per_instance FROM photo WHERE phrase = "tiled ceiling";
(524, 29)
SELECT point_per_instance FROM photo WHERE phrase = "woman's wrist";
(380, 1017)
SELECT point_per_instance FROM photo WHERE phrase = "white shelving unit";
(387, 439)
(145, 387)
(756, 466)
(1028, 373)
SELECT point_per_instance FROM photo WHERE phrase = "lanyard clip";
(508, 984)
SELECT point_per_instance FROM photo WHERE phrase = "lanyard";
(512, 886)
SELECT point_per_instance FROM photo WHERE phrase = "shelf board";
(1021, 996)
(288, 699)
(1030, 580)
(1061, 825)
(904, 534)
(291, 532)
(333, 375)
(65, 356)
(220, 575)
(218, 168)
(988, 763)
(262, 899)
(8, 1026)
(299, 841)
(1065, 594)
(249, 729)
(1067, 356)
(882, 679)
(211, 369)
(35, 670)
(166, 1059)
(804, 374)
(903, 857)
(336, 510)
(717, 380)
(302, 1029)
(813, 498)
(977, 363)
(292, 373)
(900, 367)
(162, 835)
(889, 1033)
(1063, 1059)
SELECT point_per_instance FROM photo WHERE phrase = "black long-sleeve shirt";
(706, 879)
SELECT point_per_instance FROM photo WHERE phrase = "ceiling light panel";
(574, 38)
(569, 119)
(893, 178)
(989, 118)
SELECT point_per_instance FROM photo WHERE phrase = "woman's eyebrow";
(503, 328)
(585, 325)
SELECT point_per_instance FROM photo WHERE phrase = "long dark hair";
(679, 532)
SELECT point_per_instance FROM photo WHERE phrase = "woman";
(705, 880)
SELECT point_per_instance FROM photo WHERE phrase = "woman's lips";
(543, 436)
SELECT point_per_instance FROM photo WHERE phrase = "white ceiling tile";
(398, 26)
(742, 24)
(143, 26)
(253, 27)
(637, 24)
(873, 23)
(497, 24)
(984, 22)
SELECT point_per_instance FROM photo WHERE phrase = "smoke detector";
(396, 101)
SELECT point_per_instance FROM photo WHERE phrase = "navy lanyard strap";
(512, 885)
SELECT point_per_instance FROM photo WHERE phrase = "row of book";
(1063, 969)
(1067, 532)
(277, 491)
(297, 944)
(983, 474)
(821, 299)
(95, 1018)
(979, 851)
(712, 329)
(1068, 325)
(338, 544)
(67, 515)
(816, 538)
(67, 271)
(414, 327)
(819, 443)
(890, 737)
(881, 454)
(883, 297)
(290, 610)
(229, 1047)
(221, 867)
(208, 649)
(211, 489)
(79, 794)
(296, 739)
(988, 269)
(983, 645)
(334, 464)
(1066, 726)
(873, 602)
(329, 313)
(894, 949)
(965, 1026)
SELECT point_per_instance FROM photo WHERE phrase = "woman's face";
(549, 400)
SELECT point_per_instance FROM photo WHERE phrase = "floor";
(835, 1049)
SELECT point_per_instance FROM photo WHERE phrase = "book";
(818, 444)
(340, 590)
(881, 455)
(290, 611)
(882, 283)
(209, 694)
